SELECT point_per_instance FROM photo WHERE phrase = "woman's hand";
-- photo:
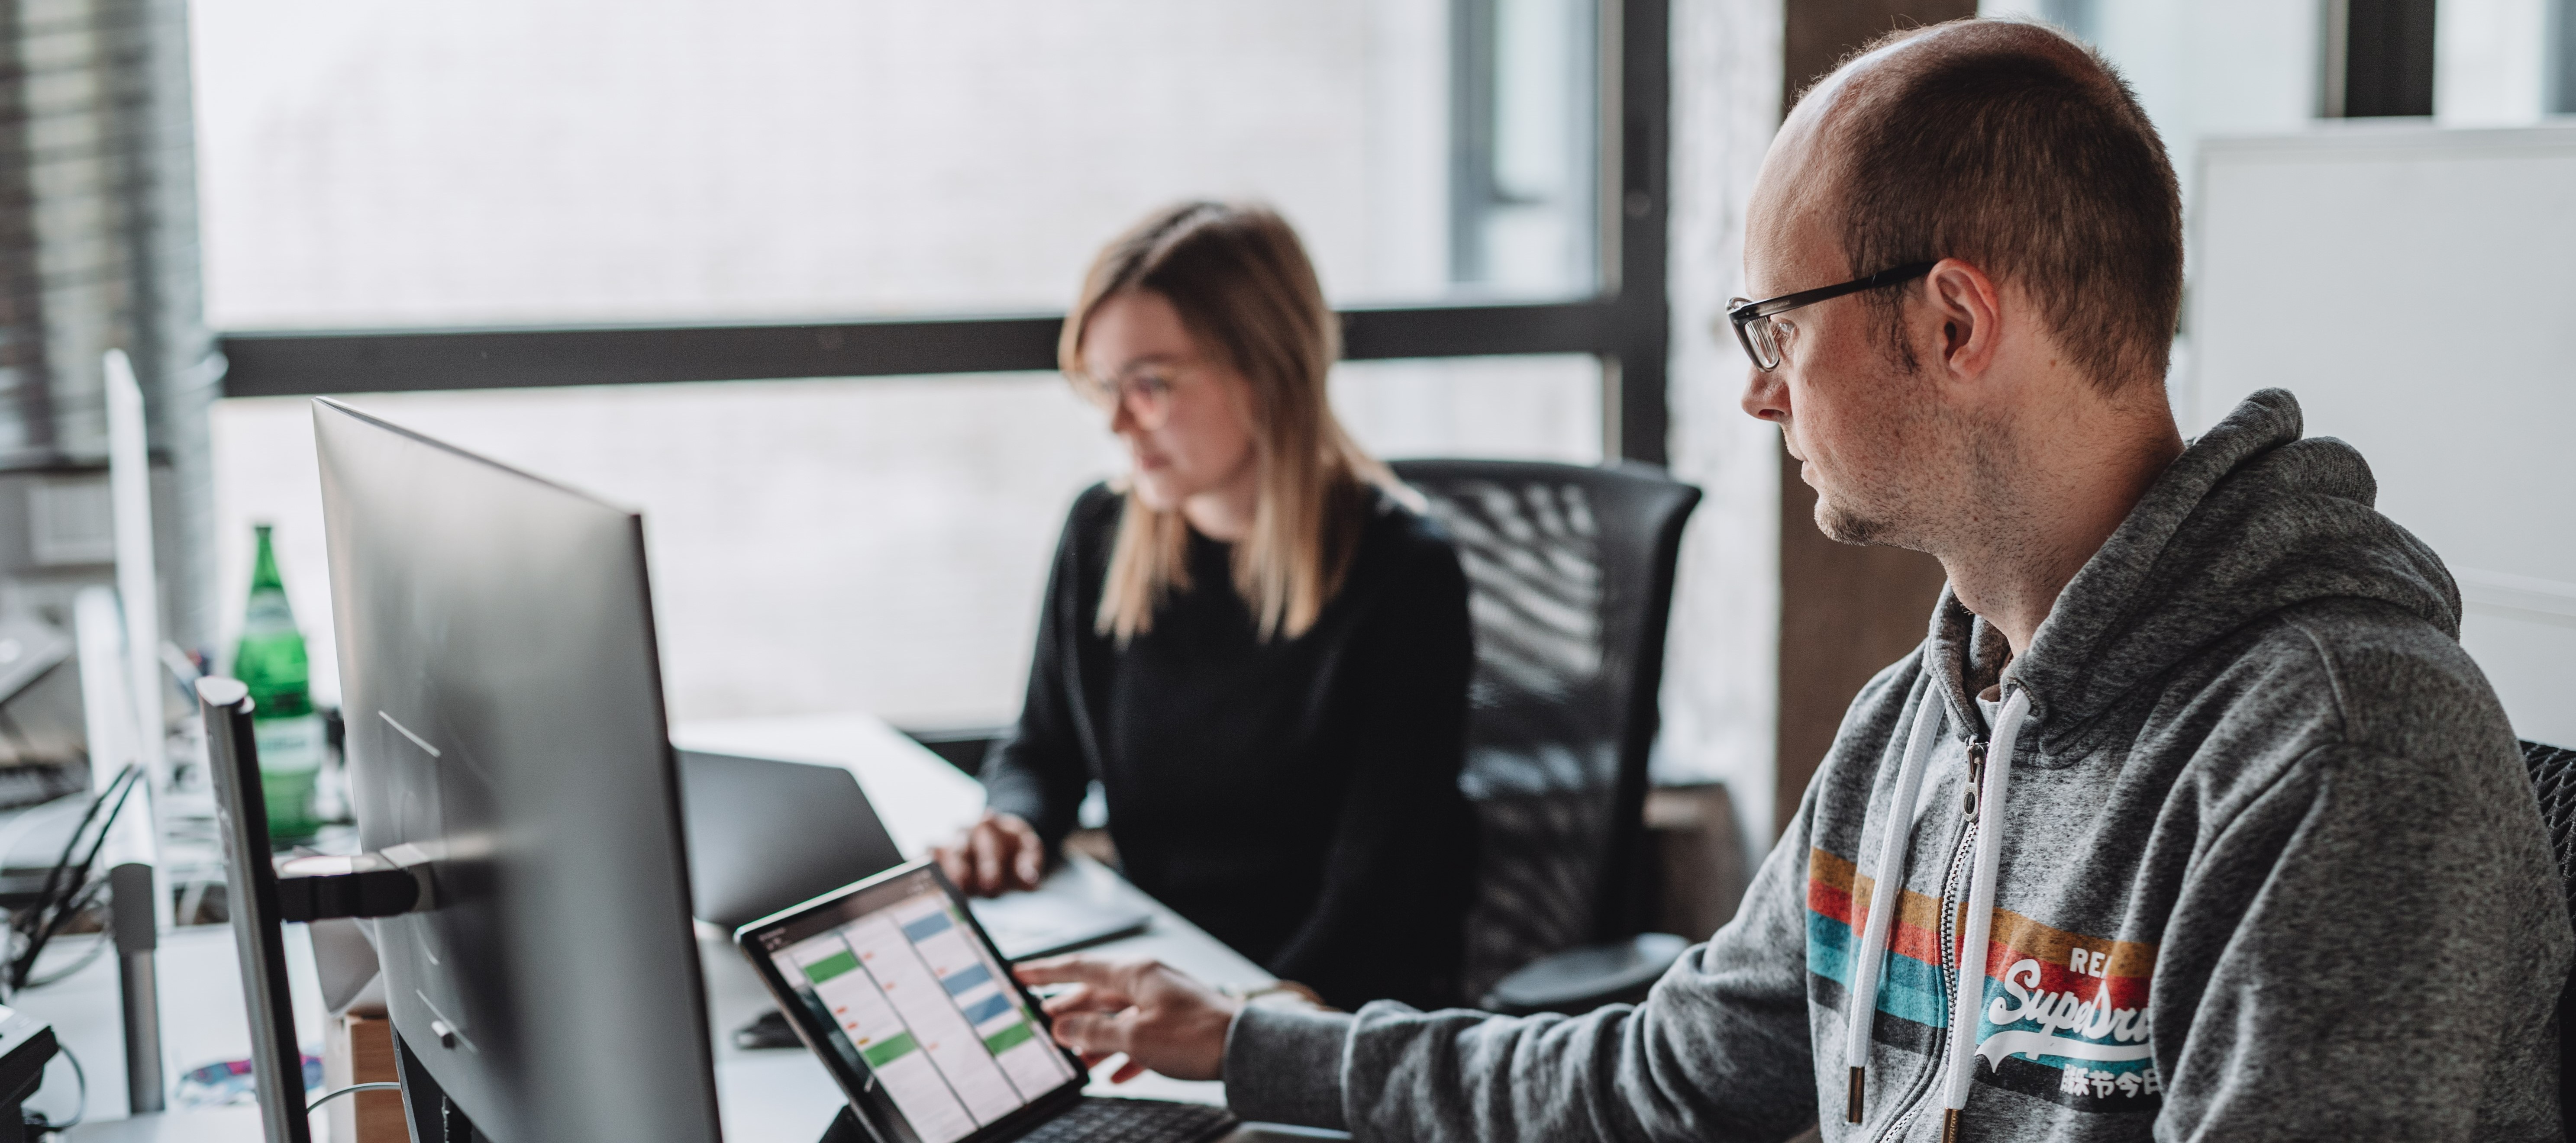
(1162, 1020)
(997, 854)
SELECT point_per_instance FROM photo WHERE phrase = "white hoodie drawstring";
(1888, 886)
(1967, 1007)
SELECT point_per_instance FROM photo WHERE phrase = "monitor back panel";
(504, 707)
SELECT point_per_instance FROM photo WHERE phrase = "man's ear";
(1965, 312)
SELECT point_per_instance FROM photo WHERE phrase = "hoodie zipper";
(1952, 891)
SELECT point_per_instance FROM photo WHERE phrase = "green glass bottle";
(270, 661)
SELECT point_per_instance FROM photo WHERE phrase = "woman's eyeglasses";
(1759, 331)
(1147, 394)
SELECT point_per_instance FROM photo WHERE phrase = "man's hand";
(1162, 1020)
(997, 854)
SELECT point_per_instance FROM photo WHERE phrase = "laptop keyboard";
(1096, 1120)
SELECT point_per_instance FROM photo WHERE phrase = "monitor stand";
(434, 1118)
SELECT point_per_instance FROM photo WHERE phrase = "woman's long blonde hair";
(1245, 291)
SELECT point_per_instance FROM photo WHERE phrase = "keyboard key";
(1133, 1121)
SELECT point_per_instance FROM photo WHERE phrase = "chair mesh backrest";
(1570, 574)
(2553, 780)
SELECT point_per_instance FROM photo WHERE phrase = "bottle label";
(267, 614)
(290, 745)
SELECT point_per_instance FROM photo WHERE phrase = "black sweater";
(1298, 799)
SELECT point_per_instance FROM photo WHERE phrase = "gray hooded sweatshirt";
(2251, 856)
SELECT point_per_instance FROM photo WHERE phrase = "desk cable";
(328, 1096)
(37, 1119)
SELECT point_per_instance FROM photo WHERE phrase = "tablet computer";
(892, 983)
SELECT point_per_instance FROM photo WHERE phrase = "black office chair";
(1571, 574)
(2553, 779)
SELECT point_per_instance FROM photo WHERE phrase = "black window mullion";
(281, 364)
(1643, 327)
(294, 363)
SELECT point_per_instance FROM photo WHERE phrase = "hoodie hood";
(2251, 519)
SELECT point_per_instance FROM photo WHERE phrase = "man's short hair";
(2018, 150)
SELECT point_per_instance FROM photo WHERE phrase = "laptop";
(899, 992)
(765, 834)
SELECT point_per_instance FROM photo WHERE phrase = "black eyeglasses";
(1760, 336)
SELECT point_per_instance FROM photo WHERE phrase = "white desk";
(769, 1096)
(779, 1092)
(203, 1021)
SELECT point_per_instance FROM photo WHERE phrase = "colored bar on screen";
(830, 966)
(1009, 1038)
(887, 1050)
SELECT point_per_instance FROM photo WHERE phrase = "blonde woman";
(1249, 641)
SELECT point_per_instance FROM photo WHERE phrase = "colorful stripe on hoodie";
(2064, 1016)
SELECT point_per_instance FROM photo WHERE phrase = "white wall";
(1721, 691)
(2410, 285)
(2489, 62)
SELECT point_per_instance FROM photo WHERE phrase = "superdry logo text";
(2064, 1016)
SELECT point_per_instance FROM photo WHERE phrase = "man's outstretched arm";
(1720, 1050)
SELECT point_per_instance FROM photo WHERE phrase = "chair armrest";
(1581, 979)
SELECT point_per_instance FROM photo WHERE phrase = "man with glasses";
(2199, 822)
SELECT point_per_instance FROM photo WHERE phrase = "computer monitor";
(504, 705)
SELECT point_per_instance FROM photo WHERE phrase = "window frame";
(1625, 324)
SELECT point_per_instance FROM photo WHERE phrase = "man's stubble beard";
(1940, 462)
(1844, 524)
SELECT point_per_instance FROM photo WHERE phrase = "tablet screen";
(913, 998)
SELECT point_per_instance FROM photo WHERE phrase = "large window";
(537, 161)
(872, 543)
(547, 229)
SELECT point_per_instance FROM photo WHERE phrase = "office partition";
(2411, 285)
